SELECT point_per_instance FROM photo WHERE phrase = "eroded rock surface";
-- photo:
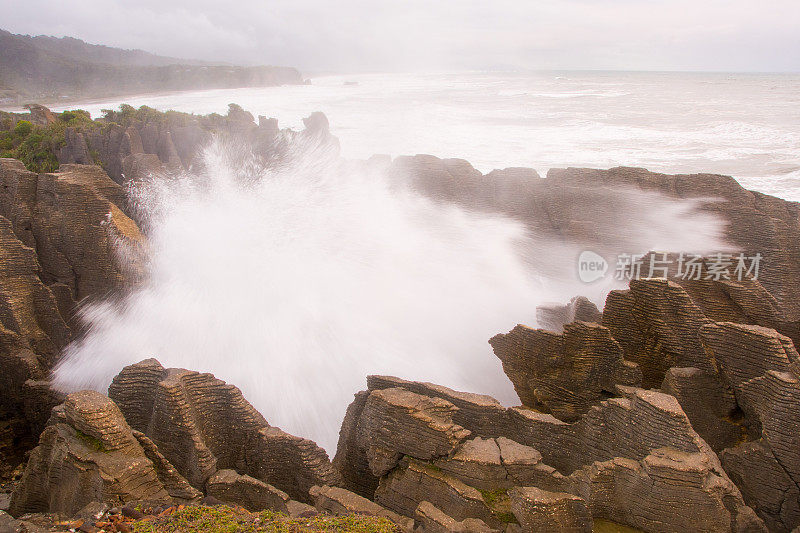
(90, 455)
(564, 374)
(202, 424)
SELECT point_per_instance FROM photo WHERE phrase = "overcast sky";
(382, 35)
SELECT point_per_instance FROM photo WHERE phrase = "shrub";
(23, 128)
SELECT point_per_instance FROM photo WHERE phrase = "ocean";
(744, 125)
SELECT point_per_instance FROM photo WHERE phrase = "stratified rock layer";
(201, 425)
(564, 374)
(638, 451)
(89, 455)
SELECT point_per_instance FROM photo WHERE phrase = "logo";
(591, 266)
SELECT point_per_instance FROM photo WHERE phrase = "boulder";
(228, 486)
(430, 519)
(540, 510)
(338, 501)
(414, 482)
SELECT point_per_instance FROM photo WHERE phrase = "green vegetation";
(500, 505)
(224, 519)
(92, 442)
(37, 146)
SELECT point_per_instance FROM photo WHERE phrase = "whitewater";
(296, 282)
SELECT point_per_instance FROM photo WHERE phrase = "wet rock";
(756, 222)
(254, 495)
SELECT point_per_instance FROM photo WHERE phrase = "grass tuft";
(225, 519)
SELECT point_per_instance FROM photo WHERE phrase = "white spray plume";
(294, 284)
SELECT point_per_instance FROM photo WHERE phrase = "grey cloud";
(357, 35)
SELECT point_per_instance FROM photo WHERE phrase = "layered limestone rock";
(75, 220)
(414, 482)
(657, 325)
(338, 501)
(540, 510)
(765, 484)
(87, 454)
(61, 239)
(384, 425)
(630, 445)
(32, 333)
(564, 374)
(709, 404)
(202, 424)
(588, 207)
(669, 490)
(501, 463)
(32, 330)
(756, 223)
(430, 519)
(761, 366)
(139, 145)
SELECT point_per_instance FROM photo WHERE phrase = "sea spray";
(295, 281)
